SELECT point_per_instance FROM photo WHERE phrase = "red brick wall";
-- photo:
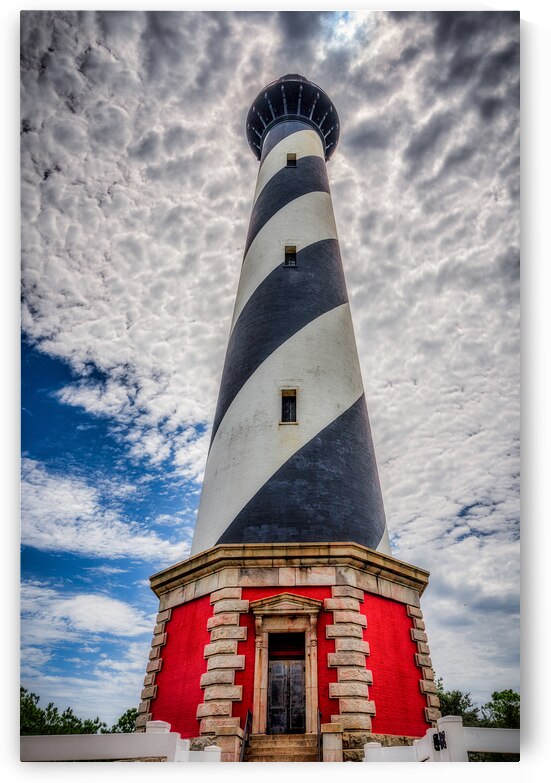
(178, 688)
(395, 690)
(398, 701)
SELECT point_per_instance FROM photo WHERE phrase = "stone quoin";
(291, 605)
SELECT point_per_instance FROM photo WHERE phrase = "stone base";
(200, 743)
(354, 741)
(229, 738)
(239, 620)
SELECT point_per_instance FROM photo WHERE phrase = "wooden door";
(286, 697)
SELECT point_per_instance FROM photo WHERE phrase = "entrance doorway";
(286, 684)
(286, 630)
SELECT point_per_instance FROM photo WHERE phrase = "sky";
(136, 189)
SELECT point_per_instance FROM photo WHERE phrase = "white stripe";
(305, 142)
(303, 221)
(250, 445)
(384, 543)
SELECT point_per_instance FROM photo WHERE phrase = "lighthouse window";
(290, 255)
(291, 160)
(288, 406)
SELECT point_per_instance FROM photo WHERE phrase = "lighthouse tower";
(291, 608)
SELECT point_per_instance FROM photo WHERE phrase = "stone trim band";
(423, 661)
(227, 565)
(354, 707)
(153, 667)
(218, 682)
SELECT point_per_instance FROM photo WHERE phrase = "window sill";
(285, 423)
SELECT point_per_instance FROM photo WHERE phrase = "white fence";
(157, 742)
(450, 741)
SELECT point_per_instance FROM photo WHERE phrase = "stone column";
(222, 662)
(423, 661)
(349, 658)
(311, 645)
(153, 668)
(332, 741)
(260, 698)
(229, 739)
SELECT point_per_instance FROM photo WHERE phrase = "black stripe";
(309, 176)
(286, 300)
(280, 132)
(328, 491)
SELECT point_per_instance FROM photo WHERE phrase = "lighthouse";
(291, 620)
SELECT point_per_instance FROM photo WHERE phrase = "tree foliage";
(502, 712)
(458, 703)
(125, 724)
(36, 721)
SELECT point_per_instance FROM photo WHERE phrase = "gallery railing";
(246, 734)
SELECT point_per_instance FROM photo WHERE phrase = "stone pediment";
(285, 604)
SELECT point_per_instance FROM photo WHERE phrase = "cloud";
(33, 660)
(369, 135)
(64, 514)
(50, 616)
(55, 619)
(136, 192)
(479, 605)
(123, 669)
(424, 142)
(107, 570)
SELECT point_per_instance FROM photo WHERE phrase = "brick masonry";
(424, 663)
(285, 567)
(354, 741)
(351, 692)
(218, 682)
(155, 664)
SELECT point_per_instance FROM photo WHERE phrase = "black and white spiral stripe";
(317, 481)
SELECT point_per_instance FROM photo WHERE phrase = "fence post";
(372, 751)
(157, 727)
(331, 734)
(456, 749)
(213, 753)
(182, 750)
(424, 748)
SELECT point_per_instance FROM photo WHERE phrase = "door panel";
(278, 708)
(296, 696)
(286, 697)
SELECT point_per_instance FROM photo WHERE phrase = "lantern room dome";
(289, 98)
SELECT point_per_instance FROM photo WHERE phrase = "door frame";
(285, 613)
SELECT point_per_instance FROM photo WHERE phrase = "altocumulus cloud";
(65, 514)
(136, 191)
(52, 619)
(72, 616)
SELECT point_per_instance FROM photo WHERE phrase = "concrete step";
(293, 748)
(282, 758)
(282, 748)
(278, 739)
(288, 747)
(280, 754)
(292, 743)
